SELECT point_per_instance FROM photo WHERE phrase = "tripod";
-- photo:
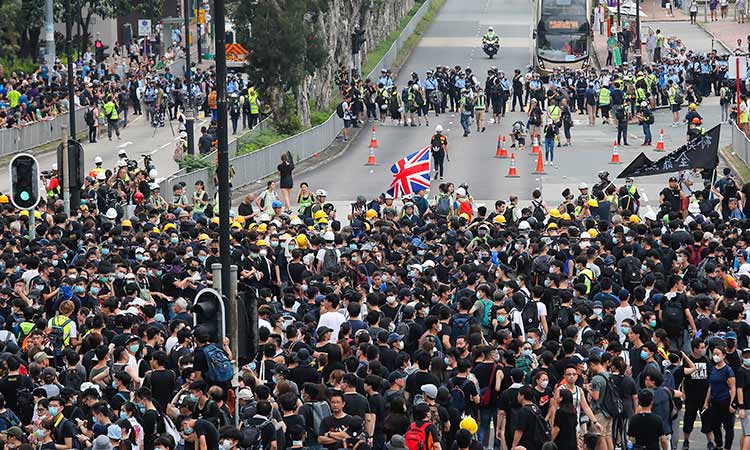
(158, 120)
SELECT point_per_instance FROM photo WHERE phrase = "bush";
(192, 163)
(261, 139)
(11, 65)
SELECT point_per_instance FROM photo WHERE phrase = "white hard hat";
(111, 213)
(583, 186)
(388, 196)
(98, 160)
(414, 87)
(461, 192)
(439, 128)
(153, 174)
(264, 218)
(54, 166)
(329, 236)
(122, 163)
(524, 225)
(585, 235)
(321, 193)
(121, 152)
(101, 176)
(154, 186)
(490, 28)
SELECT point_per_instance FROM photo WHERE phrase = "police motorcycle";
(490, 43)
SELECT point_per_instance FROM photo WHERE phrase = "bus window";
(229, 37)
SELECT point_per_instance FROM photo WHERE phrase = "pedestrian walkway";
(656, 13)
(726, 32)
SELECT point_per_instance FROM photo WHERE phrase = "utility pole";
(49, 33)
(223, 153)
(199, 28)
(190, 110)
(638, 41)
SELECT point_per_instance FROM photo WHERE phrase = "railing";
(30, 136)
(740, 143)
(262, 163)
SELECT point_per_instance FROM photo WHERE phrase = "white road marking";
(645, 197)
(165, 145)
(124, 144)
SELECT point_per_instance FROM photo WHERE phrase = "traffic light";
(209, 312)
(24, 175)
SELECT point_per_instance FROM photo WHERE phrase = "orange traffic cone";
(615, 155)
(539, 165)
(501, 152)
(535, 146)
(371, 157)
(512, 173)
(373, 140)
(660, 144)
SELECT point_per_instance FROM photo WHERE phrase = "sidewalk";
(655, 13)
(727, 31)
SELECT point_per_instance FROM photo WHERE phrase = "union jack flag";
(411, 174)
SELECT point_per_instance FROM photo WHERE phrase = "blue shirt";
(718, 380)
(430, 83)
(460, 83)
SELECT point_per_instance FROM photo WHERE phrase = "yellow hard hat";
(169, 226)
(261, 228)
(215, 220)
(593, 232)
(127, 223)
(203, 237)
(4, 198)
(552, 226)
(23, 213)
(155, 230)
(499, 219)
(302, 241)
(469, 424)
(239, 219)
(566, 216)
(261, 243)
(319, 214)
(370, 214)
(692, 106)
(323, 220)
(635, 219)
(236, 226)
(38, 214)
(464, 215)
(554, 212)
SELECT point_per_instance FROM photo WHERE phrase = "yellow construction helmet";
(320, 214)
(469, 424)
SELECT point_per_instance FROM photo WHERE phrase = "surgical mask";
(105, 252)
(644, 355)
(501, 319)
(746, 362)
(717, 358)
(652, 323)
(263, 252)
(544, 384)
(134, 347)
(598, 311)
(577, 319)
(120, 275)
(355, 259)
(517, 247)
(105, 279)
(479, 295)
(547, 283)
(644, 267)
(226, 444)
(174, 240)
(141, 407)
(526, 352)
(187, 431)
(531, 341)
(445, 360)
(80, 289)
(202, 258)
(426, 311)
(39, 433)
(274, 244)
(391, 327)
(552, 269)
(114, 384)
(55, 262)
(53, 410)
(420, 252)
(139, 256)
(625, 330)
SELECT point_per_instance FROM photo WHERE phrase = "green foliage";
(191, 163)
(376, 54)
(318, 115)
(261, 139)
(11, 64)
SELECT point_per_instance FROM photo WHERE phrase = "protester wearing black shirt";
(645, 428)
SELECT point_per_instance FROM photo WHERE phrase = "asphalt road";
(454, 39)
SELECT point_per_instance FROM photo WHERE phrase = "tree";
(284, 48)
(107, 9)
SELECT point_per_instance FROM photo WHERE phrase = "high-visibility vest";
(110, 111)
(479, 105)
(555, 113)
(252, 97)
(604, 97)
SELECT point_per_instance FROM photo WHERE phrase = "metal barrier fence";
(740, 144)
(13, 140)
(259, 164)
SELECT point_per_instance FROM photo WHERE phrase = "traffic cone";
(512, 173)
(615, 155)
(660, 144)
(539, 165)
(501, 152)
(535, 146)
(371, 157)
(373, 140)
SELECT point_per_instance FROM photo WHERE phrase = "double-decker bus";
(562, 35)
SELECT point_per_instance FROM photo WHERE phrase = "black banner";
(700, 153)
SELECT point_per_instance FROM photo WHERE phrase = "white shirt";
(625, 312)
(332, 320)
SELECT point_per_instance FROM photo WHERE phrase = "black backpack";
(460, 327)
(543, 432)
(458, 396)
(251, 436)
(672, 314)
(436, 143)
(612, 405)
(89, 117)
(340, 110)
(631, 272)
(530, 315)
(538, 211)
(619, 113)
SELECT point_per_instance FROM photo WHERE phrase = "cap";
(114, 432)
(430, 390)
(396, 375)
(245, 394)
(41, 356)
(394, 337)
(671, 179)
(323, 330)
(16, 432)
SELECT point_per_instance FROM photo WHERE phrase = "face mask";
(39, 434)
(517, 247)
(105, 279)
(55, 262)
(193, 398)
(420, 252)
(717, 359)
(531, 341)
(625, 330)
(447, 363)
(188, 431)
(544, 384)
(263, 252)
(134, 348)
(391, 327)
(174, 240)
(652, 323)
(547, 283)
(158, 273)
(105, 252)
(426, 311)
(141, 407)
(577, 319)
(120, 275)
(479, 296)
(114, 384)
(598, 311)
(644, 267)
(501, 319)
(53, 410)
(123, 415)
(644, 355)
(139, 257)
(225, 445)
(526, 352)
(746, 362)
(80, 289)
(274, 244)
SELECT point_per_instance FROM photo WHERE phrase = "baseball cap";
(430, 390)
(395, 376)
(394, 337)
(16, 432)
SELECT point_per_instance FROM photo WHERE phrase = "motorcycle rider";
(490, 38)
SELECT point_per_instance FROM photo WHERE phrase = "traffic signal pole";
(190, 110)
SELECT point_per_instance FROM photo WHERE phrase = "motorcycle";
(490, 48)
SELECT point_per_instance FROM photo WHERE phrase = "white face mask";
(717, 358)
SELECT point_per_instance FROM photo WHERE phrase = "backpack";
(672, 314)
(530, 315)
(679, 97)
(612, 405)
(251, 436)
(469, 105)
(220, 368)
(443, 207)
(73, 379)
(89, 117)
(619, 113)
(179, 152)
(540, 265)
(486, 307)
(416, 437)
(485, 393)
(330, 260)
(25, 403)
(631, 272)
(543, 432)
(436, 143)
(695, 254)
(458, 396)
(460, 327)
(9, 419)
(538, 211)
(170, 428)
(56, 335)
(509, 214)
(340, 110)
(319, 411)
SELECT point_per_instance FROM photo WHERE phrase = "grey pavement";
(693, 36)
